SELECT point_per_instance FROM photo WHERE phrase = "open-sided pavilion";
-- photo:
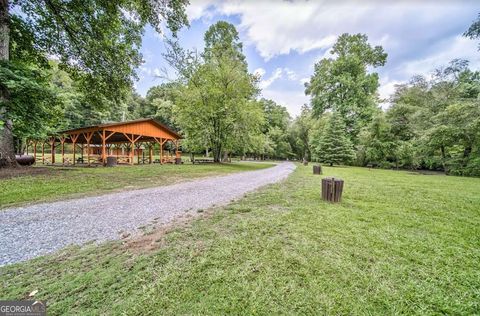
(120, 140)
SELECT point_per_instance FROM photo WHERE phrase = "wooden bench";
(123, 159)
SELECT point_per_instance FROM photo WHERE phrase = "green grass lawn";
(53, 183)
(399, 243)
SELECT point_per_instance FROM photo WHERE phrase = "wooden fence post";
(332, 189)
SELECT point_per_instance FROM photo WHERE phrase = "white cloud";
(157, 72)
(291, 75)
(386, 89)
(291, 99)
(152, 72)
(200, 9)
(451, 48)
(259, 72)
(267, 82)
(418, 36)
(303, 81)
(279, 73)
(277, 28)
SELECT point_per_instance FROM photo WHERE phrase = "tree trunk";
(4, 30)
(444, 158)
(467, 151)
(217, 154)
(7, 148)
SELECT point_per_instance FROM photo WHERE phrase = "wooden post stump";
(317, 169)
(332, 189)
(111, 161)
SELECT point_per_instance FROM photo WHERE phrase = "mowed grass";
(55, 183)
(399, 243)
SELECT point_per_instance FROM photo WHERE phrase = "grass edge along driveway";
(399, 243)
(56, 183)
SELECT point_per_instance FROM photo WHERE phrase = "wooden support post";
(131, 153)
(177, 155)
(81, 151)
(161, 142)
(62, 141)
(104, 154)
(43, 152)
(104, 138)
(35, 150)
(161, 151)
(150, 153)
(63, 152)
(88, 152)
(138, 153)
(74, 143)
(132, 140)
(74, 149)
(52, 149)
(88, 137)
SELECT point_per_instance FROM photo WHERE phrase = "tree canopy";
(70, 64)
(343, 83)
(96, 42)
(216, 106)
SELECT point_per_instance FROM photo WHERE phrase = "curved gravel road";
(35, 230)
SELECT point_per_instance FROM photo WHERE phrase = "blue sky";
(283, 39)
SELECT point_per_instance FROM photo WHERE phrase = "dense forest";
(215, 103)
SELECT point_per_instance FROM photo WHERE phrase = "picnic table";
(202, 160)
(164, 160)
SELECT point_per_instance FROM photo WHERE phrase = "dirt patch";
(152, 237)
(428, 173)
(7, 173)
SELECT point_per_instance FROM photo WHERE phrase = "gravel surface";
(35, 230)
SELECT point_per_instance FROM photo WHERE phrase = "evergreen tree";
(334, 146)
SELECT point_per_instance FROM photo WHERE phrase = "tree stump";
(332, 189)
(111, 161)
(317, 169)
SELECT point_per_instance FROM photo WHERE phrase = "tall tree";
(434, 124)
(97, 43)
(300, 134)
(377, 142)
(216, 104)
(334, 147)
(277, 120)
(473, 31)
(159, 104)
(343, 84)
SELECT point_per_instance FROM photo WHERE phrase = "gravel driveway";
(35, 230)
